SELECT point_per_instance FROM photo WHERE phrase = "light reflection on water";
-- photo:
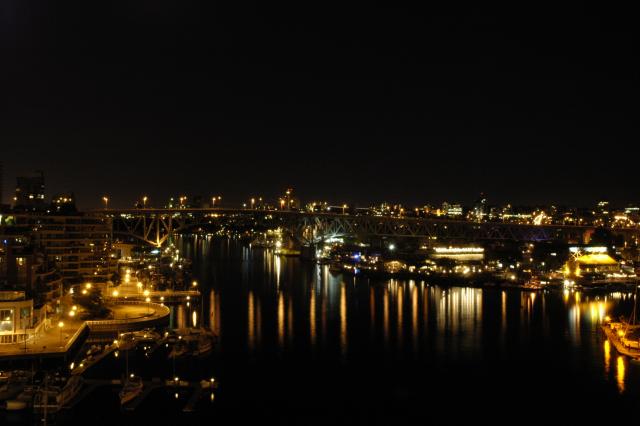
(620, 369)
(283, 305)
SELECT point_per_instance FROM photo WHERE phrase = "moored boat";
(94, 355)
(57, 393)
(132, 388)
(626, 342)
(12, 383)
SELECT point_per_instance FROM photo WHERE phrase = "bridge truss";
(156, 226)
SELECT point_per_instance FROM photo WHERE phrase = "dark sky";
(356, 102)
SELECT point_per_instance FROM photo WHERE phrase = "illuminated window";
(6, 320)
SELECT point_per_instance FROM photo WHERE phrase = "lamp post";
(344, 206)
(144, 202)
(106, 202)
(60, 326)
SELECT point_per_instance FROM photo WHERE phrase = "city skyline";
(272, 196)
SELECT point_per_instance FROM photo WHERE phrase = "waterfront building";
(25, 267)
(459, 253)
(592, 261)
(16, 317)
(80, 245)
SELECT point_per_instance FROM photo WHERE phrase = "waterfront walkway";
(61, 333)
(54, 338)
(130, 291)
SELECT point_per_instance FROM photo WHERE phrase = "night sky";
(350, 102)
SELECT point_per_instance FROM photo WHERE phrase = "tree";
(92, 301)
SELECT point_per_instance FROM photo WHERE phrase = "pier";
(150, 386)
(63, 335)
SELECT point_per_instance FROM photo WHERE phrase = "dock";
(148, 388)
(151, 386)
(195, 397)
(86, 364)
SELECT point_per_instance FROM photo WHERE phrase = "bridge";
(155, 226)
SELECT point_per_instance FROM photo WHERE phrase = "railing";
(161, 312)
(72, 339)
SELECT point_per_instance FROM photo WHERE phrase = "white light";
(459, 250)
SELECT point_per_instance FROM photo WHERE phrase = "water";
(302, 346)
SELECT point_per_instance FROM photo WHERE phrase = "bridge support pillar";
(586, 236)
(308, 252)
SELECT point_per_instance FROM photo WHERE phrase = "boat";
(24, 400)
(16, 405)
(94, 355)
(204, 344)
(284, 251)
(148, 335)
(132, 386)
(57, 393)
(626, 342)
(209, 384)
(12, 383)
(179, 350)
(193, 341)
(624, 335)
(132, 389)
(126, 341)
(533, 284)
(171, 337)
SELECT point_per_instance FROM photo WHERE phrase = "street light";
(144, 202)
(253, 201)
(60, 326)
(106, 202)
(344, 206)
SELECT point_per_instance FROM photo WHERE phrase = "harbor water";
(300, 345)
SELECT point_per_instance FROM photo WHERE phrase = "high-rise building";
(80, 245)
(452, 209)
(29, 193)
(480, 209)
(64, 204)
(25, 267)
